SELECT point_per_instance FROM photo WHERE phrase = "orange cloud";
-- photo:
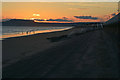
(77, 8)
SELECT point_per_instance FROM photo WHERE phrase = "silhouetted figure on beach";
(22, 32)
(27, 32)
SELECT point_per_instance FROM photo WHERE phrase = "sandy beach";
(46, 40)
(16, 48)
(92, 54)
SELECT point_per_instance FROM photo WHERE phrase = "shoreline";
(93, 53)
(3, 37)
(18, 48)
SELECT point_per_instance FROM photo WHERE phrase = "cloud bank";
(60, 20)
(86, 17)
(39, 19)
(64, 19)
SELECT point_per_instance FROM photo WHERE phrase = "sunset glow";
(60, 11)
(36, 14)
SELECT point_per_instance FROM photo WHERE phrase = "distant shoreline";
(20, 22)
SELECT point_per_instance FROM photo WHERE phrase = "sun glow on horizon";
(32, 18)
(45, 19)
(36, 14)
(51, 12)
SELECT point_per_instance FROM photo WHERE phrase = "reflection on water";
(30, 32)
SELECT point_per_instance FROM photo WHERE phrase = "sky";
(60, 11)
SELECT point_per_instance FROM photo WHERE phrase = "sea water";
(15, 31)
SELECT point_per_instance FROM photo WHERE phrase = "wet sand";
(16, 48)
(89, 55)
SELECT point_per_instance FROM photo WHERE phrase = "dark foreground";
(90, 55)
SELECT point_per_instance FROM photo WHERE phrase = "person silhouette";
(27, 32)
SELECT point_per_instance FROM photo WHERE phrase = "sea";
(15, 31)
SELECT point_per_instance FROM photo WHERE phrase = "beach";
(51, 40)
(16, 48)
(90, 54)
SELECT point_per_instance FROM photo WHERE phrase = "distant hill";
(112, 26)
(20, 22)
(115, 19)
